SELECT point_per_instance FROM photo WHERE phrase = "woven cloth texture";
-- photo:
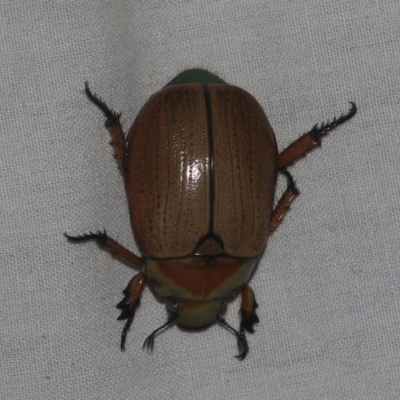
(328, 285)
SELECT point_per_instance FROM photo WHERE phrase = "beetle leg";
(283, 204)
(241, 337)
(130, 302)
(110, 245)
(113, 126)
(312, 139)
(248, 310)
(149, 342)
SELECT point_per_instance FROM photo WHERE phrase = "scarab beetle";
(200, 167)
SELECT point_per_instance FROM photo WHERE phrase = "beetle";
(200, 167)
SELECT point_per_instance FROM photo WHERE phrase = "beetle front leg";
(312, 139)
(134, 290)
(283, 204)
(114, 128)
(130, 302)
(248, 310)
(110, 245)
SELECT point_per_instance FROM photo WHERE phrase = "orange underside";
(200, 276)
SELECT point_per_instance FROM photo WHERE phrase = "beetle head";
(189, 315)
(197, 315)
(196, 290)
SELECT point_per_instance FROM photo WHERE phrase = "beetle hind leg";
(129, 303)
(283, 204)
(312, 139)
(113, 126)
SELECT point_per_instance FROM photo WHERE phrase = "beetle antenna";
(149, 342)
(242, 342)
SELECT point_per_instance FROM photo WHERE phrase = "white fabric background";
(328, 286)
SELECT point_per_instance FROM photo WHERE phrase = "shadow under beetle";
(200, 167)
